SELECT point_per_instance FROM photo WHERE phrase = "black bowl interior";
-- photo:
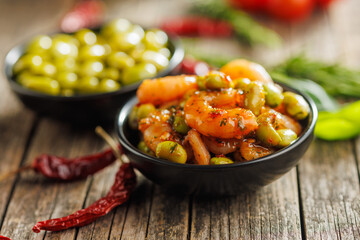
(91, 107)
(220, 179)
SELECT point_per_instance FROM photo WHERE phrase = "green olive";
(166, 52)
(138, 72)
(220, 160)
(241, 83)
(296, 106)
(180, 124)
(67, 92)
(91, 68)
(144, 110)
(171, 151)
(88, 84)
(45, 69)
(63, 37)
(268, 135)
(254, 97)
(159, 60)
(111, 73)
(64, 46)
(109, 85)
(116, 26)
(273, 95)
(133, 121)
(287, 137)
(41, 84)
(217, 80)
(39, 44)
(124, 41)
(67, 80)
(27, 61)
(86, 36)
(66, 64)
(145, 149)
(137, 52)
(138, 30)
(155, 39)
(120, 60)
(92, 52)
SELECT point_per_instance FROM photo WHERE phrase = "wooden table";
(319, 199)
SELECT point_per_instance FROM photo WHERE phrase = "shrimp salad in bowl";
(236, 114)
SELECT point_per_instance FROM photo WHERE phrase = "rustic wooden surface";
(319, 199)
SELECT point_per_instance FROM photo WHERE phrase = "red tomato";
(250, 5)
(290, 9)
(324, 3)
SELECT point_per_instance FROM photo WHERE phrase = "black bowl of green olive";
(88, 75)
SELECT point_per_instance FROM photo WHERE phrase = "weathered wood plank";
(15, 121)
(36, 198)
(137, 216)
(168, 216)
(270, 213)
(330, 191)
(101, 183)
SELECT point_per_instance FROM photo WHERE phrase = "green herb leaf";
(246, 29)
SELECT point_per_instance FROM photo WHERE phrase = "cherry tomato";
(324, 3)
(291, 10)
(249, 5)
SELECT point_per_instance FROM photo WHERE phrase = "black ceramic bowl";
(81, 108)
(215, 179)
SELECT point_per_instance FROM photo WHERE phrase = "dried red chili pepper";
(71, 169)
(84, 14)
(60, 168)
(4, 238)
(125, 182)
(198, 26)
(193, 66)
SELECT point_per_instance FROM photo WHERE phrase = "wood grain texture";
(168, 216)
(330, 191)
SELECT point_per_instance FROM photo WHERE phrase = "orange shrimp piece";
(202, 155)
(162, 90)
(156, 129)
(241, 68)
(280, 121)
(207, 115)
(221, 146)
(250, 150)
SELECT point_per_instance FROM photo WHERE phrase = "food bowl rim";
(10, 60)
(307, 132)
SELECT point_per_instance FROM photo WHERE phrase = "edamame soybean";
(171, 151)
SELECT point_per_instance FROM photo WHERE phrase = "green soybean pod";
(296, 106)
(144, 110)
(145, 149)
(287, 137)
(171, 151)
(180, 125)
(273, 95)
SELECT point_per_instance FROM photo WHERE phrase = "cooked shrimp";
(221, 146)
(250, 150)
(279, 121)
(241, 68)
(156, 129)
(206, 114)
(202, 155)
(162, 90)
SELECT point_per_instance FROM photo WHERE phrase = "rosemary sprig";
(245, 28)
(335, 79)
